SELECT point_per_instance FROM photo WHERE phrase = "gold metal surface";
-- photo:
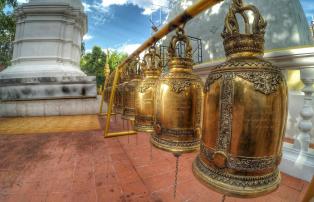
(120, 91)
(123, 133)
(129, 91)
(182, 18)
(245, 111)
(178, 102)
(145, 93)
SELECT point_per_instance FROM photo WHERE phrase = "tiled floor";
(86, 167)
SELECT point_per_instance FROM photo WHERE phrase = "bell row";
(236, 119)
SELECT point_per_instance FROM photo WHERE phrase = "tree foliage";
(7, 30)
(93, 63)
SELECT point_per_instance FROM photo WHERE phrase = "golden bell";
(144, 100)
(134, 76)
(108, 87)
(178, 102)
(244, 116)
(119, 96)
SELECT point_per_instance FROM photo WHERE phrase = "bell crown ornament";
(151, 64)
(176, 60)
(249, 43)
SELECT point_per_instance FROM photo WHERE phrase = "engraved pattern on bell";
(178, 102)
(244, 114)
(134, 75)
(145, 93)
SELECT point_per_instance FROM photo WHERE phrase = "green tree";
(93, 63)
(115, 58)
(7, 30)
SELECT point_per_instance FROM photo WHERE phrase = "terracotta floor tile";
(159, 182)
(86, 196)
(166, 195)
(110, 193)
(105, 179)
(62, 185)
(292, 182)
(303, 192)
(136, 188)
(59, 197)
(86, 167)
(286, 193)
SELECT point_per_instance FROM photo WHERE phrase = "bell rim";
(172, 148)
(235, 191)
(140, 128)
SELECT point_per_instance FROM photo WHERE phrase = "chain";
(128, 131)
(151, 151)
(223, 198)
(177, 155)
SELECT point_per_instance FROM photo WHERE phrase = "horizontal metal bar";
(117, 134)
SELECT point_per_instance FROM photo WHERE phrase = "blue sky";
(124, 24)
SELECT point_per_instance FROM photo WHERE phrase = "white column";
(303, 139)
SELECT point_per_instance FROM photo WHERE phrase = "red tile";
(85, 196)
(136, 188)
(59, 197)
(110, 193)
(166, 195)
(62, 185)
(303, 192)
(159, 182)
(292, 182)
(286, 193)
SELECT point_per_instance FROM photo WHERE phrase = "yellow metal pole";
(182, 18)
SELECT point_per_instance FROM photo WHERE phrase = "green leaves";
(93, 63)
(7, 31)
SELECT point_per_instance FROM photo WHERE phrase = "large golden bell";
(145, 93)
(129, 90)
(178, 102)
(245, 111)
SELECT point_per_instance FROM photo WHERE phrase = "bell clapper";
(177, 155)
(128, 131)
(151, 151)
(136, 133)
(223, 198)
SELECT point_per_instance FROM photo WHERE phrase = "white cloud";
(22, 1)
(87, 7)
(87, 37)
(149, 6)
(128, 48)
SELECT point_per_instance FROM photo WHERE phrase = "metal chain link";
(223, 198)
(151, 151)
(177, 155)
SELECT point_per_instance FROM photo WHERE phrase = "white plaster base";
(50, 107)
(297, 164)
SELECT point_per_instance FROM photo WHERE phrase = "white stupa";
(47, 51)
